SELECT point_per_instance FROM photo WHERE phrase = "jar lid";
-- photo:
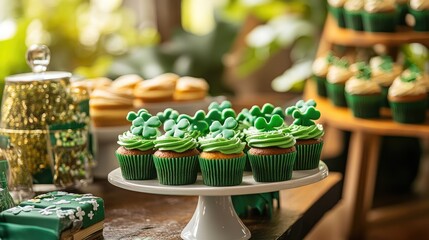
(38, 58)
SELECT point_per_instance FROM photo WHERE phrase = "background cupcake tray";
(214, 216)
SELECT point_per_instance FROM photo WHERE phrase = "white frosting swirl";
(423, 80)
(374, 62)
(419, 4)
(400, 88)
(384, 78)
(338, 74)
(321, 66)
(336, 3)
(374, 6)
(361, 86)
(354, 5)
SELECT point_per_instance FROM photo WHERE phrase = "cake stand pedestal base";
(213, 219)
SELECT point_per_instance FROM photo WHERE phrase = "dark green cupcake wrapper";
(272, 168)
(321, 85)
(176, 171)
(136, 167)
(421, 20)
(402, 10)
(307, 156)
(336, 94)
(379, 22)
(364, 106)
(338, 14)
(384, 94)
(409, 112)
(222, 172)
(353, 20)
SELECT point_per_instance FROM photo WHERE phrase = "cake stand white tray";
(215, 217)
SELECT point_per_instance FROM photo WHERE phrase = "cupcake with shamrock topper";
(272, 152)
(198, 125)
(380, 16)
(408, 99)
(362, 94)
(336, 79)
(176, 157)
(422, 77)
(384, 71)
(336, 8)
(168, 113)
(320, 69)
(308, 135)
(419, 9)
(222, 158)
(353, 14)
(137, 146)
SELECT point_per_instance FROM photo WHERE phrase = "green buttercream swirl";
(175, 144)
(220, 144)
(306, 132)
(130, 141)
(270, 139)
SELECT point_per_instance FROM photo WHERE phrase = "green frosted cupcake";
(136, 147)
(176, 158)
(380, 16)
(363, 95)
(272, 152)
(419, 9)
(222, 159)
(320, 70)
(336, 8)
(353, 14)
(336, 78)
(307, 134)
(408, 100)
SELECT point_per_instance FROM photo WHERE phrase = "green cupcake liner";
(338, 14)
(409, 112)
(384, 100)
(222, 172)
(321, 85)
(364, 106)
(272, 168)
(307, 156)
(176, 171)
(353, 20)
(336, 93)
(421, 20)
(379, 22)
(402, 10)
(136, 167)
(247, 166)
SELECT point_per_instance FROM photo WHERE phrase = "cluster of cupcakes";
(220, 144)
(366, 87)
(380, 15)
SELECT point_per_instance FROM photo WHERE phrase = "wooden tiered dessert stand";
(364, 148)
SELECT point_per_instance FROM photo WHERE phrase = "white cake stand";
(215, 217)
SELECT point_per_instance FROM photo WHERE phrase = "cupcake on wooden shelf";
(308, 134)
(408, 99)
(137, 146)
(353, 14)
(384, 72)
(336, 8)
(419, 10)
(222, 159)
(363, 95)
(380, 16)
(320, 70)
(422, 77)
(336, 79)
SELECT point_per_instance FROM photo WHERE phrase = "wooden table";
(131, 215)
(362, 162)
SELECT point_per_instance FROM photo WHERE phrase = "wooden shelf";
(346, 37)
(342, 118)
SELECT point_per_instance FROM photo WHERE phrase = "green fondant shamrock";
(174, 129)
(301, 105)
(363, 71)
(224, 105)
(225, 130)
(330, 58)
(411, 77)
(244, 116)
(144, 125)
(168, 113)
(387, 64)
(273, 123)
(197, 122)
(229, 112)
(305, 118)
(415, 69)
(267, 111)
(217, 115)
(133, 115)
